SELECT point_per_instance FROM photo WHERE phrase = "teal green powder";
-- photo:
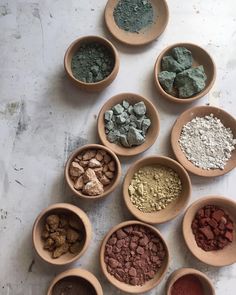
(133, 15)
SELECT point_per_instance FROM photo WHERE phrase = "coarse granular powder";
(207, 143)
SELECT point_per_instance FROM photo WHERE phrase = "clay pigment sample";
(207, 143)
(127, 124)
(178, 76)
(91, 171)
(212, 228)
(134, 254)
(73, 286)
(153, 188)
(93, 62)
(62, 234)
(133, 15)
(187, 285)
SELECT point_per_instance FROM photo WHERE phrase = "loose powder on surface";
(207, 143)
(133, 15)
(187, 285)
(154, 187)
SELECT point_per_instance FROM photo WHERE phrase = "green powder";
(133, 15)
(92, 63)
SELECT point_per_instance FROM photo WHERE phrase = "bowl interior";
(187, 116)
(174, 208)
(149, 284)
(147, 34)
(222, 257)
(39, 243)
(152, 131)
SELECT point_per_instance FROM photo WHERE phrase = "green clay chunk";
(166, 80)
(123, 140)
(169, 64)
(140, 108)
(121, 119)
(125, 104)
(118, 109)
(190, 81)
(113, 135)
(145, 125)
(108, 115)
(134, 137)
(183, 56)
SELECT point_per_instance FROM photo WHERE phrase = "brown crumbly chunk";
(53, 221)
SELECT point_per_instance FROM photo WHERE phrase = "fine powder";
(133, 15)
(187, 285)
(92, 63)
(207, 143)
(154, 187)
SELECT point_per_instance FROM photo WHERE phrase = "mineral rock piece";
(75, 169)
(183, 56)
(169, 64)
(60, 250)
(79, 183)
(53, 221)
(72, 235)
(125, 104)
(134, 137)
(93, 188)
(118, 109)
(140, 108)
(94, 163)
(146, 123)
(166, 80)
(113, 135)
(89, 155)
(89, 175)
(123, 140)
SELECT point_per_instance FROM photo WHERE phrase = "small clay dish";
(181, 272)
(72, 49)
(218, 258)
(201, 111)
(70, 211)
(147, 34)
(175, 207)
(152, 132)
(108, 188)
(84, 280)
(126, 287)
(200, 57)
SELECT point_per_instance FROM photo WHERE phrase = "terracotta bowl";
(123, 286)
(38, 227)
(187, 116)
(107, 189)
(82, 275)
(218, 258)
(179, 273)
(72, 49)
(174, 208)
(151, 135)
(200, 57)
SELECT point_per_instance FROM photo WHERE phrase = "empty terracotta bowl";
(201, 111)
(223, 257)
(152, 132)
(174, 208)
(181, 272)
(147, 34)
(72, 49)
(108, 188)
(39, 224)
(200, 57)
(126, 287)
(78, 278)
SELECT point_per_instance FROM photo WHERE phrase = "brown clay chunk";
(91, 171)
(134, 254)
(61, 234)
(212, 228)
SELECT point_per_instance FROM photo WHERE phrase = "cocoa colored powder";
(187, 285)
(134, 254)
(212, 228)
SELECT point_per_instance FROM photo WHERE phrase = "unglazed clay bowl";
(126, 287)
(72, 49)
(200, 57)
(181, 272)
(201, 111)
(81, 276)
(218, 258)
(175, 207)
(108, 188)
(152, 132)
(69, 210)
(147, 34)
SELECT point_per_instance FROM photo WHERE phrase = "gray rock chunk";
(108, 115)
(183, 56)
(118, 109)
(109, 125)
(166, 80)
(125, 104)
(113, 135)
(123, 140)
(169, 64)
(121, 119)
(145, 125)
(134, 137)
(140, 108)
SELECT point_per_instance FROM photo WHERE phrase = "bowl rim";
(91, 38)
(198, 203)
(80, 273)
(141, 215)
(192, 98)
(194, 169)
(97, 147)
(112, 279)
(102, 135)
(72, 209)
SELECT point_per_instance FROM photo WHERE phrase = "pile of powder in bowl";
(187, 285)
(207, 143)
(154, 187)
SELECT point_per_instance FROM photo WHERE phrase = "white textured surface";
(43, 117)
